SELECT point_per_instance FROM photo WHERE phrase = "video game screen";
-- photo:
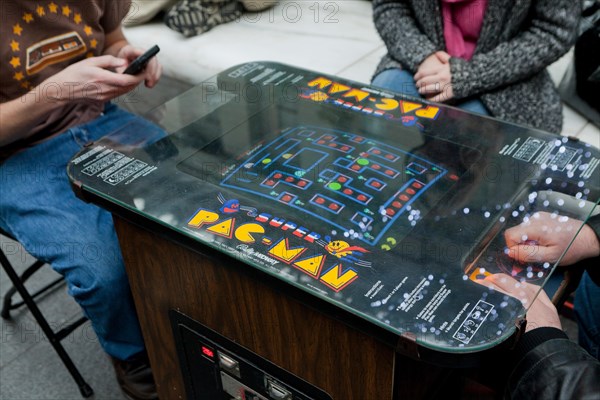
(365, 186)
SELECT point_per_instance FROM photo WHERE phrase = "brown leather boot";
(135, 378)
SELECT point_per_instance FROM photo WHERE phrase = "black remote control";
(140, 63)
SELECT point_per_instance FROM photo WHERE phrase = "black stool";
(55, 338)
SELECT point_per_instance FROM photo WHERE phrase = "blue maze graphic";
(351, 182)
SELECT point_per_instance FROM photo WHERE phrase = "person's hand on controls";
(544, 238)
(540, 309)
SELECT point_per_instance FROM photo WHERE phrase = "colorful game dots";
(266, 161)
(299, 174)
(287, 156)
(362, 161)
(334, 186)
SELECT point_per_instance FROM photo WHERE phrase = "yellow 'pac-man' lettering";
(430, 112)
(311, 265)
(337, 282)
(244, 232)
(359, 95)
(283, 252)
(321, 83)
(338, 87)
(408, 106)
(387, 104)
(203, 217)
(224, 228)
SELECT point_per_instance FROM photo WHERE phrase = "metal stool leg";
(54, 338)
(8, 296)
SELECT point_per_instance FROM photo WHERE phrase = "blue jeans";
(38, 207)
(401, 81)
(587, 310)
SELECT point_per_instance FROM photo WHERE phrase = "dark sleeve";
(405, 42)
(594, 223)
(550, 32)
(592, 267)
(547, 365)
(114, 13)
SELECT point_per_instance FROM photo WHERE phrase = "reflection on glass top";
(395, 210)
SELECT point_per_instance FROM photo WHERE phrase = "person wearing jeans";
(485, 56)
(53, 103)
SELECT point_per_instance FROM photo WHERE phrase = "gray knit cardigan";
(518, 40)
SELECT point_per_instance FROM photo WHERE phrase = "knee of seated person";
(107, 280)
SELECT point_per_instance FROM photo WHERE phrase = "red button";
(302, 183)
(277, 176)
(321, 142)
(389, 172)
(289, 179)
(333, 206)
(375, 151)
(417, 185)
(389, 156)
(410, 191)
(404, 197)
(345, 148)
(286, 198)
(355, 167)
(390, 212)
(269, 182)
(342, 179)
(376, 184)
(319, 200)
(332, 144)
(376, 166)
(361, 197)
(397, 204)
(348, 191)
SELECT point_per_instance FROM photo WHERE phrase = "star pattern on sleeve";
(15, 62)
(42, 10)
(17, 29)
(28, 17)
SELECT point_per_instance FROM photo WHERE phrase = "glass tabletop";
(417, 217)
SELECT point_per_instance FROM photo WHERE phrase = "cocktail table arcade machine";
(292, 235)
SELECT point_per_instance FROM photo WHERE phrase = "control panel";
(215, 367)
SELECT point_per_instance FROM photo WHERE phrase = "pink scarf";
(462, 24)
